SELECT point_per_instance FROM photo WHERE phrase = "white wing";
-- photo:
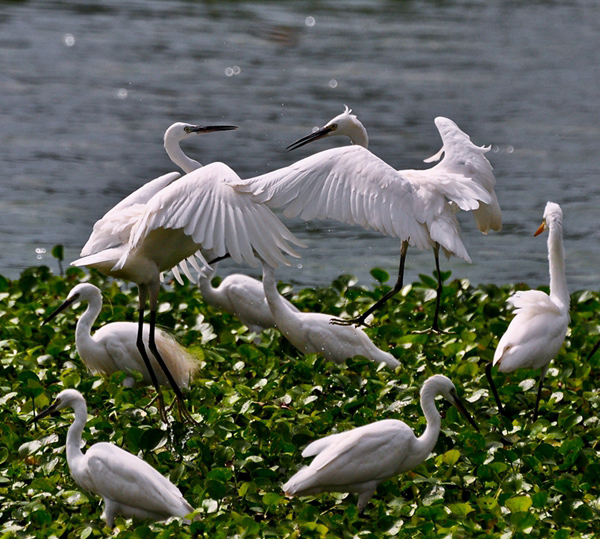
(208, 208)
(114, 227)
(347, 184)
(120, 476)
(464, 158)
(362, 455)
(535, 335)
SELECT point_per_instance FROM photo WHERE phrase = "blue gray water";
(88, 88)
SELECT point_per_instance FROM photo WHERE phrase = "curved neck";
(556, 258)
(74, 434)
(176, 155)
(209, 293)
(428, 439)
(86, 321)
(359, 136)
(279, 308)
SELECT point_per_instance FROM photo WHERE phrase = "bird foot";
(184, 414)
(359, 321)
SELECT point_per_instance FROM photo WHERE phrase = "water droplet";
(510, 149)
(69, 40)
(299, 266)
(229, 72)
(333, 83)
(495, 149)
(122, 93)
(40, 252)
(237, 70)
(309, 21)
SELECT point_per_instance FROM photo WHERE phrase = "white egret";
(242, 296)
(113, 347)
(353, 186)
(202, 210)
(312, 333)
(129, 486)
(537, 332)
(360, 459)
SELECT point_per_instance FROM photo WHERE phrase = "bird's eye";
(333, 127)
(187, 129)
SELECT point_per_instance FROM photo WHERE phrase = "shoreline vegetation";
(259, 403)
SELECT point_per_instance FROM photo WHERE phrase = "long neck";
(279, 308)
(556, 258)
(359, 137)
(176, 154)
(74, 434)
(209, 293)
(83, 337)
(428, 439)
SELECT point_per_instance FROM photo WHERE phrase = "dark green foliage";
(260, 404)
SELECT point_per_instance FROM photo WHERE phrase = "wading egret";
(360, 459)
(312, 333)
(353, 186)
(537, 332)
(202, 210)
(113, 347)
(242, 296)
(129, 486)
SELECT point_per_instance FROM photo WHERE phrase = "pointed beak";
(541, 229)
(66, 304)
(315, 135)
(461, 408)
(201, 129)
(44, 413)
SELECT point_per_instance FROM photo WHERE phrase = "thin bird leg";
(183, 411)
(219, 258)
(488, 373)
(360, 320)
(594, 350)
(142, 349)
(435, 328)
(539, 392)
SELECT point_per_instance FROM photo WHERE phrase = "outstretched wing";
(466, 170)
(217, 216)
(114, 227)
(347, 184)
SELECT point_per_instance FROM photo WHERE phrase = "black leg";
(488, 373)
(141, 347)
(360, 320)
(594, 350)
(153, 348)
(440, 288)
(539, 393)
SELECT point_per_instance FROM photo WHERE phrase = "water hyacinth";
(260, 402)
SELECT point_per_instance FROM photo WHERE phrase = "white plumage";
(129, 486)
(537, 332)
(202, 210)
(242, 296)
(358, 460)
(313, 333)
(353, 186)
(113, 347)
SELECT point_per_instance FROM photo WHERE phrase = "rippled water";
(88, 88)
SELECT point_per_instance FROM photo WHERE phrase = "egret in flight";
(358, 460)
(113, 347)
(352, 185)
(537, 332)
(312, 333)
(129, 486)
(202, 210)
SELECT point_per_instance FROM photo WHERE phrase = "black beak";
(44, 413)
(210, 128)
(315, 135)
(66, 304)
(461, 408)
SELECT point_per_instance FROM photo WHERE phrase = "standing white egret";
(113, 347)
(360, 459)
(128, 485)
(537, 332)
(202, 210)
(242, 296)
(353, 186)
(312, 333)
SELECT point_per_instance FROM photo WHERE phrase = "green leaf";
(519, 503)
(460, 509)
